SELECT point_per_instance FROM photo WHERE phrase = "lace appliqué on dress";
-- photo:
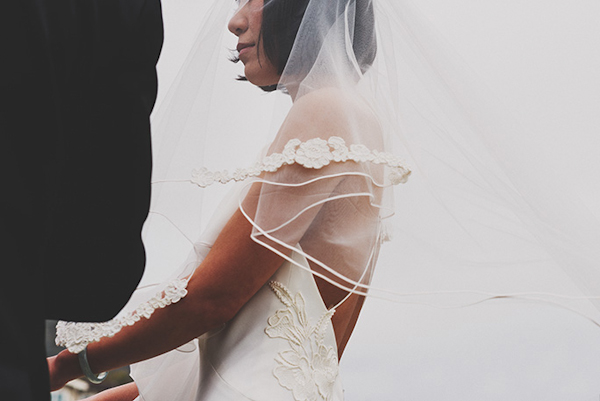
(314, 153)
(76, 336)
(309, 368)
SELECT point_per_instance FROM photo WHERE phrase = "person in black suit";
(77, 85)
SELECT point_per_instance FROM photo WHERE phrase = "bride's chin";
(260, 77)
(261, 82)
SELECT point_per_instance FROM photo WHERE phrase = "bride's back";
(344, 234)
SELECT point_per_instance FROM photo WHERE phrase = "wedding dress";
(280, 346)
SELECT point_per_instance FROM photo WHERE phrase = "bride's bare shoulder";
(332, 111)
(329, 102)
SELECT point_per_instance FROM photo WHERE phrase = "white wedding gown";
(280, 346)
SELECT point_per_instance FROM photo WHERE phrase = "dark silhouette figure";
(77, 85)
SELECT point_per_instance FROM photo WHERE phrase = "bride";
(282, 269)
(260, 302)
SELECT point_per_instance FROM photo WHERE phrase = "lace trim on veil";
(314, 153)
(76, 336)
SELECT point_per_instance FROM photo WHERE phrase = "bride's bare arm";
(231, 274)
(233, 271)
(126, 392)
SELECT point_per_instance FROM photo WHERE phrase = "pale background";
(545, 55)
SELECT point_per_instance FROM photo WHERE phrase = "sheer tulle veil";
(413, 170)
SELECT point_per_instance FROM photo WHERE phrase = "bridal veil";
(392, 143)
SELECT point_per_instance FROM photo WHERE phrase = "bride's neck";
(293, 91)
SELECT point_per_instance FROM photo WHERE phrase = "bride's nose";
(238, 24)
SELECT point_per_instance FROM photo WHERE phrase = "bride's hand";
(59, 371)
(55, 383)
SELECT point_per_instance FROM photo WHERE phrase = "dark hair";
(281, 21)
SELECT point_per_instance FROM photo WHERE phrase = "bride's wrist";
(68, 365)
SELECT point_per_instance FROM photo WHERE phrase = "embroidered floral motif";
(76, 336)
(310, 368)
(315, 153)
(339, 151)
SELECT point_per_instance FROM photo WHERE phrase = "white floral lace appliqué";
(315, 153)
(309, 368)
(76, 336)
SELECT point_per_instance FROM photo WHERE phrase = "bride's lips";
(243, 48)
